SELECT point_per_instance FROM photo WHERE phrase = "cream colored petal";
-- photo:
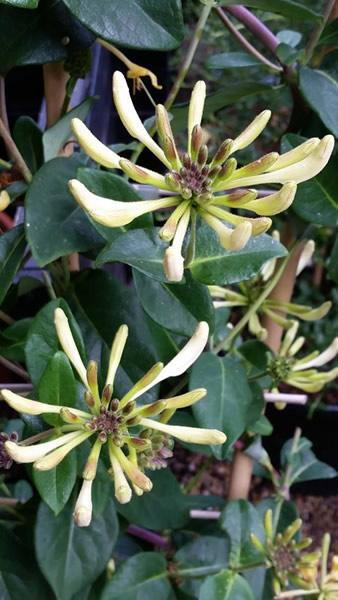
(68, 345)
(113, 213)
(289, 338)
(259, 224)
(306, 256)
(274, 203)
(93, 147)
(185, 400)
(196, 107)
(84, 507)
(130, 118)
(28, 454)
(251, 132)
(298, 172)
(5, 200)
(230, 239)
(173, 264)
(143, 175)
(123, 491)
(187, 434)
(32, 407)
(117, 348)
(324, 357)
(52, 459)
(295, 155)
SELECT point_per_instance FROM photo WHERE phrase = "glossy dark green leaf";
(232, 60)
(226, 585)
(239, 519)
(72, 557)
(55, 223)
(55, 486)
(288, 8)
(142, 576)
(143, 24)
(177, 307)
(115, 187)
(38, 36)
(42, 342)
(214, 265)
(57, 385)
(204, 551)
(20, 578)
(316, 199)
(28, 138)
(229, 405)
(12, 248)
(303, 464)
(224, 97)
(56, 136)
(320, 91)
(165, 507)
(139, 248)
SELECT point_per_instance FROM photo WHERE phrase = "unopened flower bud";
(84, 507)
(222, 153)
(202, 155)
(5, 200)
(196, 141)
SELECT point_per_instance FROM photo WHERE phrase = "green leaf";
(303, 464)
(21, 3)
(232, 94)
(239, 519)
(139, 248)
(142, 576)
(287, 54)
(114, 187)
(225, 586)
(232, 60)
(320, 90)
(229, 405)
(42, 341)
(56, 136)
(12, 248)
(288, 8)
(214, 265)
(72, 557)
(57, 386)
(55, 486)
(289, 37)
(37, 36)
(177, 307)
(28, 138)
(55, 224)
(205, 551)
(165, 507)
(333, 262)
(20, 578)
(316, 199)
(142, 24)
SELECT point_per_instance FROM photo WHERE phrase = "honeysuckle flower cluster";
(249, 292)
(112, 421)
(303, 372)
(197, 184)
(285, 557)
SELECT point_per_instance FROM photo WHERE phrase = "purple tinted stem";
(148, 536)
(255, 25)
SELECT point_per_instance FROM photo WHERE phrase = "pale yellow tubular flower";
(132, 471)
(185, 400)
(187, 434)
(239, 199)
(5, 200)
(256, 167)
(168, 230)
(295, 155)
(93, 147)
(182, 361)
(256, 328)
(32, 407)
(123, 491)
(52, 459)
(117, 348)
(306, 256)
(68, 345)
(274, 203)
(296, 346)
(173, 263)
(324, 357)
(251, 132)
(84, 507)
(297, 172)
(142, 384)
(143, 175)
(268, 268)
(230, 239)
(196, 107)
(130, 118)
(112, 212)
(28, 454)
(259, 224)
(289, 338)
